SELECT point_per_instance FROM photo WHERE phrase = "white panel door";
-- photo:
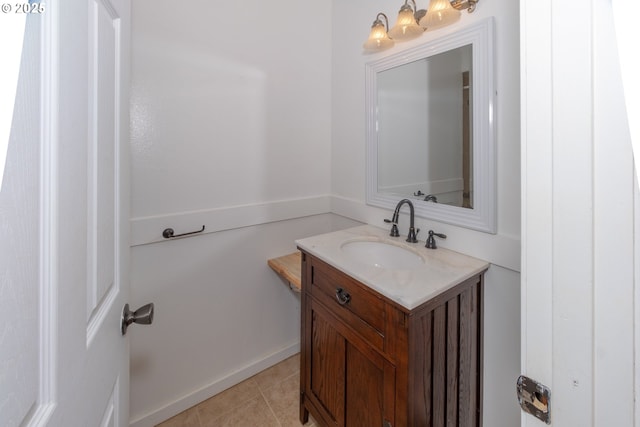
(76, 369)
(579, 224)
(92, 210)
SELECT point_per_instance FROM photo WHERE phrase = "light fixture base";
(469, 5)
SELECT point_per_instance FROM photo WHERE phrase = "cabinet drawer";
(346, 297)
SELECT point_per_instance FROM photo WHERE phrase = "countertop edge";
(324, 254)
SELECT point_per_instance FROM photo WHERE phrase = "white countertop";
(441, 270)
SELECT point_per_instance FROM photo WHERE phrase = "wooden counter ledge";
(288, 267)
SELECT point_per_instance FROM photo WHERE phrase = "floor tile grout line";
(261, 391)
(269, 405)
(235, 407)
(200, 423)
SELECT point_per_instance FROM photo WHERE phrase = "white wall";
(228, 103)
(350, 22)
(230, 127)
(20, 286)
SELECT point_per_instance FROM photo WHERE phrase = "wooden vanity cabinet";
(366, 361)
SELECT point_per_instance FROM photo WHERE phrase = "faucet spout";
(412, 235)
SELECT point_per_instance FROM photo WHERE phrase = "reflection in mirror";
(424, 143)
(430, 128)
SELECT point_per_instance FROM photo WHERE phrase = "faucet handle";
(431, 241)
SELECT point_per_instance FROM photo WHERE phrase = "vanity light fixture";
(378, 38)
(407, 27)
(412, 22)
(469, 5)
(440, 13)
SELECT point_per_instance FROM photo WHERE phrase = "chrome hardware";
(418, 193)
(168, 233)
(431, 241)
(411, 236)
(142, 316)
(394, 227)
(431, 198)
(534, 398)
(342, 296)
(470, 5)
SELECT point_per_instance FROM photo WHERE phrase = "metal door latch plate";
(534, 398)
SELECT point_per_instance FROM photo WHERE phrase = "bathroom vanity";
(391, 332)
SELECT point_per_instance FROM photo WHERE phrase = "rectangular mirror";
(430, 129)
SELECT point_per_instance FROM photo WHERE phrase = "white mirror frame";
(482, 216)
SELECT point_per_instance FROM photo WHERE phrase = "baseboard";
(187, 401)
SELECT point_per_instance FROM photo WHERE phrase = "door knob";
(142, 316)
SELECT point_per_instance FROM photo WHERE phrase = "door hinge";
(534, 398)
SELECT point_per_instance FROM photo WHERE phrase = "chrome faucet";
(411, 237)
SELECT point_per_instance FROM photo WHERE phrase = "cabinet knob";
(342, 296)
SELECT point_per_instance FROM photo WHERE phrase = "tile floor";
(268, 399)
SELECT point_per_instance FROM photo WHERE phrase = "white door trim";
(579, 242)
(48, 218)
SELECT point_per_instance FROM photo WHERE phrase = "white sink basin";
(382, 254)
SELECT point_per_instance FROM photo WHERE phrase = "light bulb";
(406, 27)
(378, 39)
(439, 14)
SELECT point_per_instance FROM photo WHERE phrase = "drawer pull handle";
(342, 296)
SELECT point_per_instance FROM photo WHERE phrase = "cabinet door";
(348, 381)
(370, 387)
(326, 379)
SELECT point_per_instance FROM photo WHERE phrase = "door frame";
(579, 224)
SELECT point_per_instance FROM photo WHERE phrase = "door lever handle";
(142, 316)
